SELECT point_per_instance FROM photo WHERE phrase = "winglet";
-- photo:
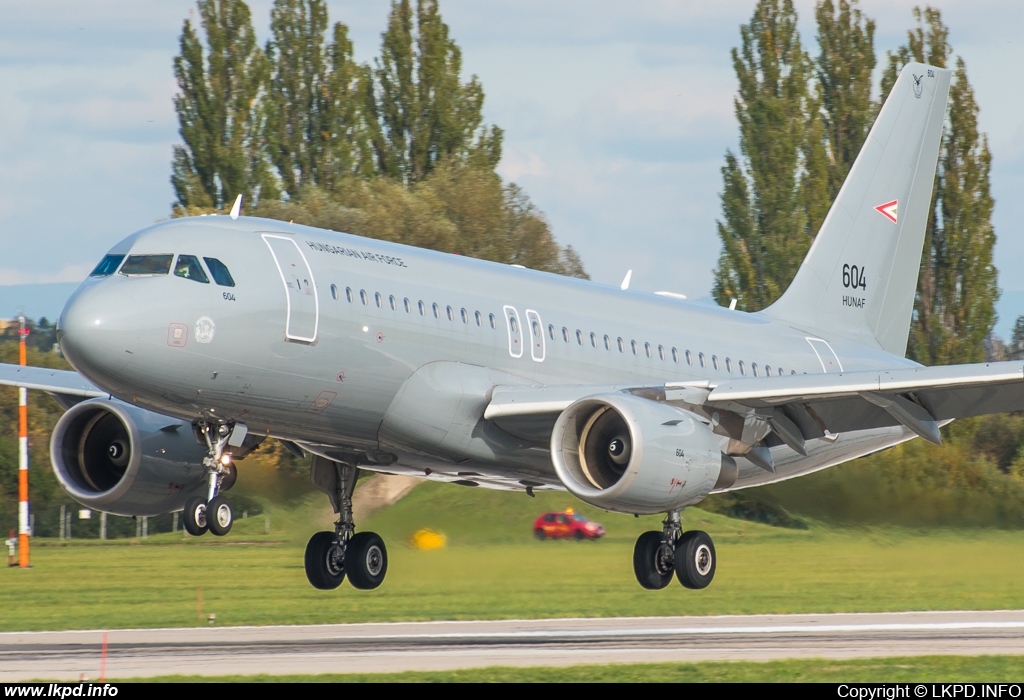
(626, 279)
(236, 208)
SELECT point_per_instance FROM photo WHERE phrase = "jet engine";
(634, 455)
(121, 459)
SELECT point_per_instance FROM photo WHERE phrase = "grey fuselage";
(322, 362)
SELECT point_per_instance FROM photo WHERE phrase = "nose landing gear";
(689, 555)
(331, 556)
(214, 512)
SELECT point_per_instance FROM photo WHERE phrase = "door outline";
(515, 338)
(536, 338)
(825, 353)
(288, 293)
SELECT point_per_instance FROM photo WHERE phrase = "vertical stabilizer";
(860, 275)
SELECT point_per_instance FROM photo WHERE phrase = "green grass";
(918, 669)
(492, 568)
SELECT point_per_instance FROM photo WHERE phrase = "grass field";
(921, 669)
(492, 568)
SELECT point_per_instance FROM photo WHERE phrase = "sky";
(617, 117)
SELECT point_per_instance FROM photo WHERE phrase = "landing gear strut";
(331, 556)
(214, 512)
(689, 555)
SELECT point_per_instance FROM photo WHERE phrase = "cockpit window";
(220, 272)
(108, 265)
(147, 265)
(188, 267)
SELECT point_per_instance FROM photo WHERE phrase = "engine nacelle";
(119, 458)
(633, 455)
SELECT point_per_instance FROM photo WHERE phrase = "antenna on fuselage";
(236, 208)
(626, 279)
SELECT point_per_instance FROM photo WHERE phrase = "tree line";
(397, 150)
(802, 123)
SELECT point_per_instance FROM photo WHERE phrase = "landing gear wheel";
(695, 559)
(230, 478)
(325, 561)
(219, 517)
(194, 516)
(366, 560)
(539, 534)
(652, 564)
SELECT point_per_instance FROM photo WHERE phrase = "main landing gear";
(688, 555)
(331, 556)
(214, 512)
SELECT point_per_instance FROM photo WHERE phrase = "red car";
(566, 524)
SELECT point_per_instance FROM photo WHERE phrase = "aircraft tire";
(366, 560)
(323, 569)
(194, 516)
(695, 559)
(219, 516)
(648, 564)
(230, 478)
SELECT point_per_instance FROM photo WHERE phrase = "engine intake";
(633, 455)
(122, 459)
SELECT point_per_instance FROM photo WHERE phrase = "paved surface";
(382, 647)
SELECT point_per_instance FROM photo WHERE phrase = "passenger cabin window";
(137, 265)
(188, 267)
(607, 343)
(362, 296)
(220, 272)
(108, 266)
(379, 299)
(490, 317)
(465, 316)
(348, 294)
(451, 314)
(479, 318)
(551, 331)
(632, 345)
(700, 356)
(647, 349)
(437, 310)
(689, 358)
(579, 337)
(743, 368)
(622, 348)
(728, 365)
(408, 305)
(661, 352)
(423, 308)
(334, 292)
(767, 370)
(714, 361)
(393, 302)
(753, 368)
(675, 356)
(593, 339)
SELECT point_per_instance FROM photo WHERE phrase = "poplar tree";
(312, 105)
(843, 71)
(420, 113)
(775, 192)
(218, 112)
(957, 287)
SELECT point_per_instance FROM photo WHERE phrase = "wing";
(67, 387)
(792, 409)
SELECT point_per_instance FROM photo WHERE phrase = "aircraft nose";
(95, 334)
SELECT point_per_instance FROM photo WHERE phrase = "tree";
(218, 114)
(419, 113)
(846, 39)
(1015, 351)
(956, 293)
(314, 134)
(775, 194)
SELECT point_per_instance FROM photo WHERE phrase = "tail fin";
(860, 275)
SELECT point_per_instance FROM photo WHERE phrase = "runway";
(409, 646)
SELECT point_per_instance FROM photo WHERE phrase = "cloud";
(69, 273)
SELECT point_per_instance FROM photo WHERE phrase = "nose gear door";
(303, 304)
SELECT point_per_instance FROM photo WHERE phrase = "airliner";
(196, 339)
